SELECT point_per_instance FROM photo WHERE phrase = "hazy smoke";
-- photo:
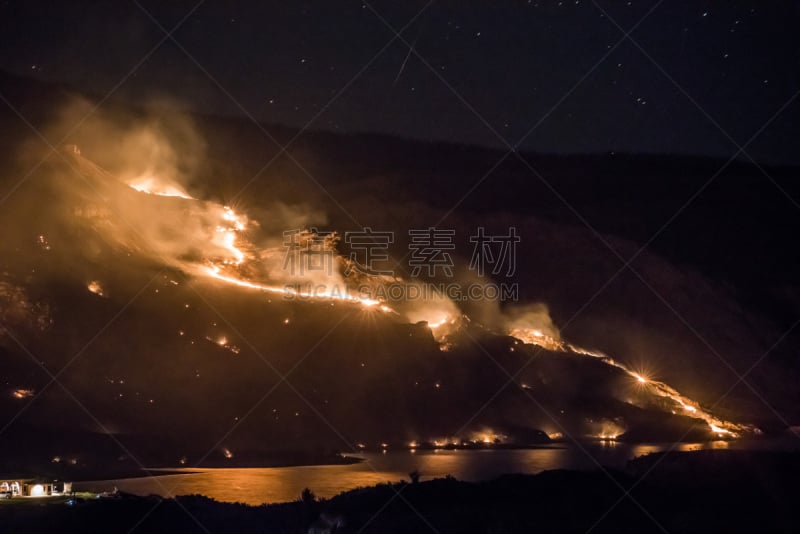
(134, 182)
(534, 317)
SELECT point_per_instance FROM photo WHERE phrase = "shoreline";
(697, 484)
(282, 460)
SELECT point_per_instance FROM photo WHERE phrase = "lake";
(282, 484)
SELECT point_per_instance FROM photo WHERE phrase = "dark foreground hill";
(709, 491)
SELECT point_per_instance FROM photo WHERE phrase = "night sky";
(696, 77)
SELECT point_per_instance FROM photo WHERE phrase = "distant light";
(37, 490)
(96, 287)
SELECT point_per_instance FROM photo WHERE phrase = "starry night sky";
(480, 72)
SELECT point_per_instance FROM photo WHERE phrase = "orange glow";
(22, 393)
(152, 186)
(214, 271)
(230, 254)
(442, 320)
(533, 336)
(95, 287)
(718, 430)
(654, 387)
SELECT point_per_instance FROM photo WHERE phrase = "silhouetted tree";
(307, 497)
(414, 476)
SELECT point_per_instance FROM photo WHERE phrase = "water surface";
(282, 484)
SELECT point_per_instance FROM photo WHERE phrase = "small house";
(33, 487)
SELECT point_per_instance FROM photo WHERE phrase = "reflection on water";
(281, 484)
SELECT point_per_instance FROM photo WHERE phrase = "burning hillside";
(194, 244)
(151, 301)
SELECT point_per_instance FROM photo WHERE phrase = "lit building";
(32, 487)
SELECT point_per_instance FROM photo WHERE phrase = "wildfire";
(485, 437)
(222, 342)
(152, 186)
(605, 429)
(718, 430)
(95, 287)
(441, 321)
(227, 235)
(716, 426)
(533, 336)
(214, 271)
(230, 253)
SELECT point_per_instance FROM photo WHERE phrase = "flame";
(716, 426)
(228, 237)
(605, 429)
(152, 186)
(96, 287)
(222, 342)
(718, 430)
(229, 215)
(227, 232)
(214, 271)
(442, 316)
(441, 321)
(536, 337)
